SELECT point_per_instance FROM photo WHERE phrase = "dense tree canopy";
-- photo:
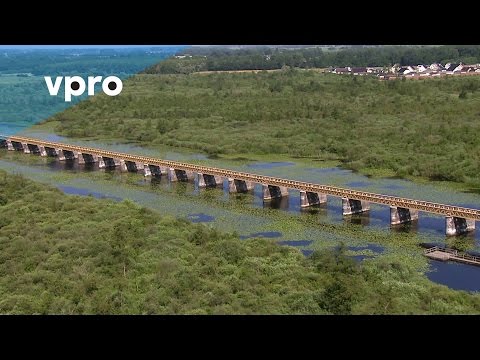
(263, 58)
(71, 255)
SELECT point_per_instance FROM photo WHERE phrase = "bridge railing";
(449, 210)
(455, 253)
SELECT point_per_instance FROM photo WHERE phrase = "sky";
(75, 46)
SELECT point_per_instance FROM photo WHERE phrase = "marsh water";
(366, 236)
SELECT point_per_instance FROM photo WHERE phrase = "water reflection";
(279, 203)
(410, 227)
(358, 219)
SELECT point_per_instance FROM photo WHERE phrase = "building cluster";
(417, 71)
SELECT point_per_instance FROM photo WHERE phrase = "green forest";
(268, 58)
(406, 128)
(62, 254)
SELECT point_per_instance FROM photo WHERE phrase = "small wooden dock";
(443, 254)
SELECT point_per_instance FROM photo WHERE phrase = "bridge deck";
(443, 254)
(443, 209)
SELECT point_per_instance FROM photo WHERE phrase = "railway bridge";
(458, 220)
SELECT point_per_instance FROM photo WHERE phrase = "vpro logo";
(75, 85)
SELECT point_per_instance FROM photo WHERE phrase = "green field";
(80, 255)
(424, 130)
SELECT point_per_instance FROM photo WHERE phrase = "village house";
(342, 70)
(359, 70)
(410, 71)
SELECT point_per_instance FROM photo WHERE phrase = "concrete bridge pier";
(10, 146)
(101, 162)
(239, 186)
(123, 165)
(79, 156)
(60, 154)
(352, 206)
(308, 198)
(399, 215)
(26, 149)
(458, 226)
(179, 175)
(146, 169)
(206, 180)
(273, 192)
(161, 171)
(43, 152)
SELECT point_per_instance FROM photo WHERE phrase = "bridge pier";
(79, 156)
(101, 162)
(458, 226)
(206, 180)
(60, 154)
(26, 149)
(399, 215)
(273, 192)
(123, 165)
(180, 175)
(352, 206)
(43, 152)
(146, 170)
(239, 186)
(10, 146)
(308, 198)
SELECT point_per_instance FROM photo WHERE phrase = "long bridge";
(459, 220)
